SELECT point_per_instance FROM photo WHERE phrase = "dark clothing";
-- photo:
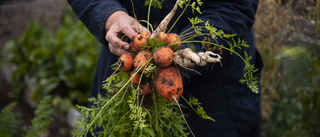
(233, 105)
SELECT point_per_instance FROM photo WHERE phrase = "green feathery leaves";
(154, 3)
(10, 121)
(233, 42)
(194, 102)
(248, 78)
(42, 120)
(195, 6)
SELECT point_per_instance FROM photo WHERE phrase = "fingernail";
(126, 47)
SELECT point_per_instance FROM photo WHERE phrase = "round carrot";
(168, 83)
(141, 58)
(140, 41)
(126, 62)
(136, 78)
(174, 41)
(131, 50)
(145, 33)
(163, 36)
(163, 56)
(145, 89)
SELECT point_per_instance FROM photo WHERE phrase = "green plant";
(289, 83)
(57, 64)
(124, 112)
(309, 96)
(10, 121)
(42, 120)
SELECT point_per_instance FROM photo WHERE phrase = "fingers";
(124, 26)
(128, 30)
(140, 28)
(132, 30)
(145, 29)
(116, 45)
(116, 50)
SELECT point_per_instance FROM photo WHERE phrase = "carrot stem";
(183, 116)
(178, 18)
(148, 16)
(149, 24)
(105, 106)
(155, 106)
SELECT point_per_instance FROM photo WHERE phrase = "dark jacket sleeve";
(94, 14)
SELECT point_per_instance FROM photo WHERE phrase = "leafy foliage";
(154, 3)
(199, 109)
(248, 78)
(55, 62)
(239, 44)
(130, 114)
(204, 28)
(10, 121)
(290, 82)
(42, 120)
(194, 5)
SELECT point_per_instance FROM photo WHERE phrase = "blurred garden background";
(48, 58)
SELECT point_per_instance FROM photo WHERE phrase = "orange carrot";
(141, 58)
(168, 83)
(135, 79)
(131, 50)
(145, 33)
(163, 36)
(145, 88)
(174, 41)
(140, 41)
(163, 56)
(126, 62)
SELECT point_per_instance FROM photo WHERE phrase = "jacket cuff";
(100, 15)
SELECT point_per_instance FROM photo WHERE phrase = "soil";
(14, 17)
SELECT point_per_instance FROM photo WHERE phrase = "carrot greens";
(124, 111)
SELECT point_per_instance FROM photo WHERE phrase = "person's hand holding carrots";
(118, 25)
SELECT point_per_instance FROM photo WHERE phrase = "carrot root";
(183, 116)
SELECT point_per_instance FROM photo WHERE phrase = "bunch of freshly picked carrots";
(151, 66)
(144, 94)
(167, 80)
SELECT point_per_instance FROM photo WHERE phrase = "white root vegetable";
(208, 57)
(179, 59)
(190, 55)
(187, 58)
(164, 23)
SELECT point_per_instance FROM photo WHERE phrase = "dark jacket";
(233, 105)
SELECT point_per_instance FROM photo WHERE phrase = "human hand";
(120, 24)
